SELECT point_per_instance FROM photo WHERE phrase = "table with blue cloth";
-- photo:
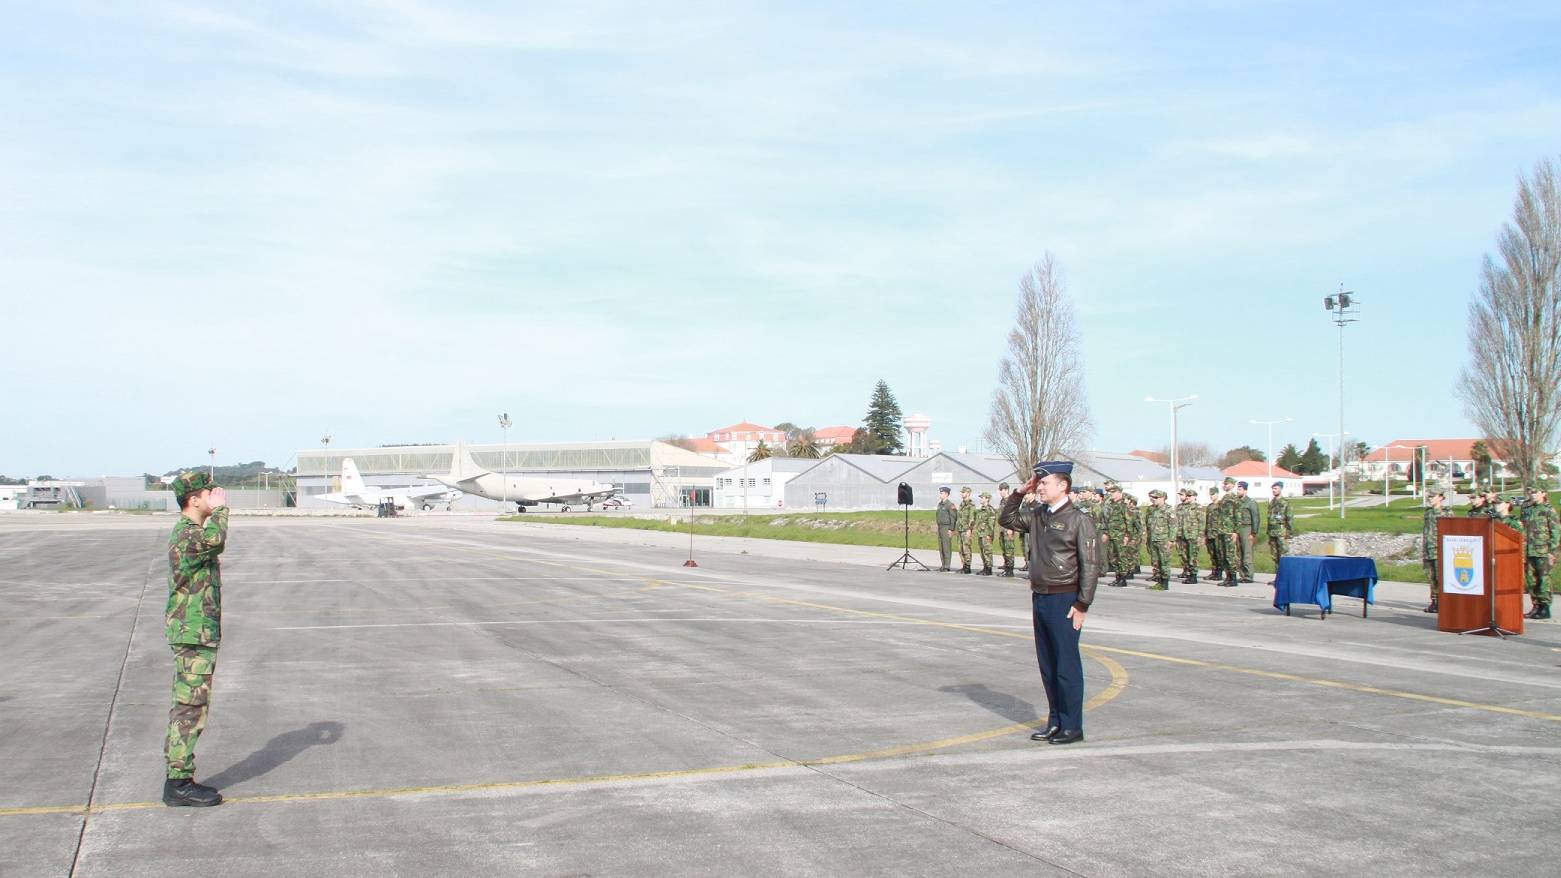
(1315, 579)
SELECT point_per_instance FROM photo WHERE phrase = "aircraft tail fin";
(351, 479)
(462, 466)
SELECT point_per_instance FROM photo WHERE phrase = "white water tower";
(916, 426)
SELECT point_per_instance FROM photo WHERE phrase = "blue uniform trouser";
(1057, 652)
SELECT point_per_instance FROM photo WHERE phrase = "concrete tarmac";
(433, 696)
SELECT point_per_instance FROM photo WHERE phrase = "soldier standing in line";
(1433, 571)
(1005, 537)
(193, 625)
(1214, 536)
(1477, 506)
(1247, 526)
(1116, 516)
(1507, 513)
(963, 524)
(1159, 531)
(1189, 533)
(1228, 504)
(984, 529)
(947, 518)
(1027, 506)
(1541, 537)
(1135, 536)
(1281, 526)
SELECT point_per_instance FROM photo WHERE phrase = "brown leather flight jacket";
(1063, 551)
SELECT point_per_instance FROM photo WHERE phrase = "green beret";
(192, 482)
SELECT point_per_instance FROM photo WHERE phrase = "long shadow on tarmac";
(1004, 705)
(277, 751)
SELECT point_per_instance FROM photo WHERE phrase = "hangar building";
(649, 473)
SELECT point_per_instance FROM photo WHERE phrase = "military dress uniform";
(1159, 531)
(193, 626)
(1281, 527)
(984, 530)
(1190, 526)
(1541, 537)
(947, 519)
(963, 524)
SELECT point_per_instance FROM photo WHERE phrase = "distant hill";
(232, 474)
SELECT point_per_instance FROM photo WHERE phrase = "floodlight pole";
(1270, 425)
(211, 470)
(1335, 440)
(504, 425)
(1176, 405)
(325, 461)
(1342, 315)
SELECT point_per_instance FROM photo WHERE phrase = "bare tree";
(1511, 387)
(1192, 453)
(1039, 409)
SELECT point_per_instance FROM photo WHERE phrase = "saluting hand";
(217, 497)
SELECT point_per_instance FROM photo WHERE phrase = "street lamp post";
(1387, 496)
(504, 424)
(1338, 306)
(1335, 441)
(1176, 405)
(1270, 425)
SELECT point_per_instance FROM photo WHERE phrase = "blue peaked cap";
(1054, 467)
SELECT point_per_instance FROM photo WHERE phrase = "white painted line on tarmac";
(598, 577)
(597, 622)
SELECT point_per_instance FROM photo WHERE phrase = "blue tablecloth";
(1315, 579)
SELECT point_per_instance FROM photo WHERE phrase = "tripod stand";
(905, 561)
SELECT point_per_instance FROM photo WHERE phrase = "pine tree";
(885, 421)
(1313, 460)
(1289, 458)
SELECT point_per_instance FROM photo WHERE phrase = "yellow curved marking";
(1119, 678)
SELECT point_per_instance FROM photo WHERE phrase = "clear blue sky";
(392, 221)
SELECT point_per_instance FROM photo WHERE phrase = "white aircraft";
(465, 475)
(355, 493)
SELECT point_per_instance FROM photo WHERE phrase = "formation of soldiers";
(1531, 515)
(1226, 528)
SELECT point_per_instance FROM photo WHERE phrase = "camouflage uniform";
(962, 525)
(1281, 527)
(1190, 526)
(1214, 535)
(1433, 571)
(984, 530)
(1135, 536)
(193, 623)
(1229, 504)
(1006, 539)
(1118, 523)
(1541, 537)
(1159, 531)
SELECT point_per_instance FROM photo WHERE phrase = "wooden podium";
(1481, 577)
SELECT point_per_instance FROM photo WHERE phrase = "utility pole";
(504, 425)
(325, 461)
(211, 470)
(1339, 309)
(1270, 425)
(1334, 441)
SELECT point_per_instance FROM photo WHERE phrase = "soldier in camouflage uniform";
(1135, 536)
(1433, 571)
(1007, 540)
(1119, 523)
(984, 530)
(193, 624)
(1477, 507)
(1541, 537)
(963, 525)
(1190, 526)
(1281, 526)
(1214, 536)
(1159, 531)
(1228, 507)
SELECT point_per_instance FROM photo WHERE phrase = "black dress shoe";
(186, 792)
(1046, 734)
(1072, 737)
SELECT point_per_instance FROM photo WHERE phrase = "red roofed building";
(740, 439)
(829, 437)
(1397, 457)
(1152, 457)
(1256, 474)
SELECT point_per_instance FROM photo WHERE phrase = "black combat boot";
(986, 570)
(185, 792)
(1544, 612)
(1008, 570)
(1431, 607)
(965, 569)
(1230, 581)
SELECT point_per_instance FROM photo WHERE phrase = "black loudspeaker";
(905, 498)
